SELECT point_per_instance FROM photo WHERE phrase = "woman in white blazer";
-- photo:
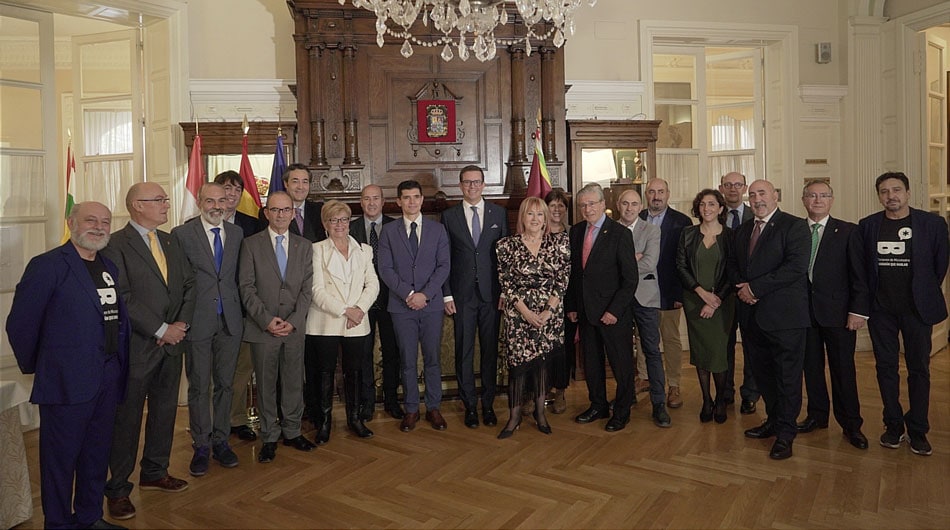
(344, 288)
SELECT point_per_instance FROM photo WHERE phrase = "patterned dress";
(533, 280)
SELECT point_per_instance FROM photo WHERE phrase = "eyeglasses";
(338, 220)
(472, 183)
(164, 200)
(590, 204)
(813, 196)
(733, 185)
(276, 211)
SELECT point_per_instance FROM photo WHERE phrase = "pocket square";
(494, 226)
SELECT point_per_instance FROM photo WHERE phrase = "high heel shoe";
(544, 428)
(506, 433)
(719, 413)
(706, 414)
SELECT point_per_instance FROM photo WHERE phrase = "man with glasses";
(600, 298)
(156, 282)
(732, 185)
(471, 295)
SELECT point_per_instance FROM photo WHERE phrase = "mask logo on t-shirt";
(890, 247)
(107, 296)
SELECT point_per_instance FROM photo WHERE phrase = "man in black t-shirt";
(68, 325)
(906, 255)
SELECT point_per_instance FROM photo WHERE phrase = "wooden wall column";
(517, 105)
(548, 85)
(318, 153)
(351, 154)
(304, 86)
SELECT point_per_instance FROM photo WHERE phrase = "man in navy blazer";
(414, 264)
(307, 221)
(70, 328)
(906, 255)
(474, 227)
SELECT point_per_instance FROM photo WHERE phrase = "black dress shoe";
(857, 439)
(810, 424)
(395, 411)
(366, 411)
(268, 452)
(747, 407)
(617, 423)
(591, 414)
(766, 430)
(471, 418)
(102, 524)
(488, 417)
(300, 443)
(244, 432)
(781, 450)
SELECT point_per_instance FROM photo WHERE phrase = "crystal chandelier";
(474, 20)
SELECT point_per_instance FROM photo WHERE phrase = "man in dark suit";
(838, 300)
(69, 326)
(906, 255)
(733, 187)
(366, 229)
(600, 297)
(275, 276)
(211, 247)
(306, 219)
(233, 188)
(414, 264)
(770, 267)
(474, 227)
(156, 282)
(671, 223)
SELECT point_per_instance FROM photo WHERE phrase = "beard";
(83, 239)
(213, 216)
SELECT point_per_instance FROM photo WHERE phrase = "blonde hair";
(532, 202)
(333, 208)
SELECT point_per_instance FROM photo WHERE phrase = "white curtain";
(719, 165)
(681, 171)
(107, 182)
(22, 185)
(107, 132)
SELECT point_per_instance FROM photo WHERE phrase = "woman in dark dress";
(708, 298)
(562, 359)
(534, 267)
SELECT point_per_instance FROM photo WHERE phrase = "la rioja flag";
(539, 182)
(196, 177)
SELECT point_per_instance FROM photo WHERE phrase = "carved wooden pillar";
(318, 150)
(517, 106)
(351, 153)
(548, 86)
(303, 86)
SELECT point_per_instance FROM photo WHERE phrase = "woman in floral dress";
(534, 267)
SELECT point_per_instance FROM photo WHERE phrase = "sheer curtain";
(22, 185)
(107, 132)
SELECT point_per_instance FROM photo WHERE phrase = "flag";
(277, 170)
(539, 182)
(196, 177)
(70, 190)
(250, 202)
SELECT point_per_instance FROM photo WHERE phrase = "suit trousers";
(748, 390)
(381, 322)
(470, 314)
(647, 320)
(884, 327)
(415, 329)
(672, 345)
(839, 343)
(616, 341)
(208, 362)
(283, 360)
(242, 376)
(155, 377)
(74, 450)
(776, 359)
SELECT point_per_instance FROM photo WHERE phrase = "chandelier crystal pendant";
(473, 20)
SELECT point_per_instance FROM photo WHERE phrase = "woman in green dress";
(708, 297)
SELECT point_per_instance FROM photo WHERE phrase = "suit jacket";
(331, 295)
(56, 330)
(358, 231)
(686, 265)
(151, 301)
(777, 272)
(610, 280)
(248, 224)
(474, 266)
(266, 295)
(839, 278)
(671, 290)
(929, 261)
(646, 241)
(210, 285)
(313, 228)
(426, 273)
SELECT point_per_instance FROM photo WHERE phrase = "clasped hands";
(745, 293)
(279, 327)
(174, 333)
(711, 303)
(354, 316)
(537, 320)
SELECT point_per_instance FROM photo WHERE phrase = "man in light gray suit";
(156, 283)
(275, 280)
(212, 247)
(646, 304)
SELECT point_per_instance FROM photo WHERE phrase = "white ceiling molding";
(232, 99)
(605, 100)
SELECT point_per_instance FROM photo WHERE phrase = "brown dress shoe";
(435, 418)
(560, 404)
(167, 484)
(120, 508)
(641, 385)
(409, 421)
(673, 399)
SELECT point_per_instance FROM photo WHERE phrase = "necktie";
(756, 232)
(374, 241)
(476, 226)
(218, 258)
(735, 219)
(413, 239)
(158, 255)
(815, 237)
(281, 257)
(588, 244)
(298, 217)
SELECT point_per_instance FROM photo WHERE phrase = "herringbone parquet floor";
(689, 476)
